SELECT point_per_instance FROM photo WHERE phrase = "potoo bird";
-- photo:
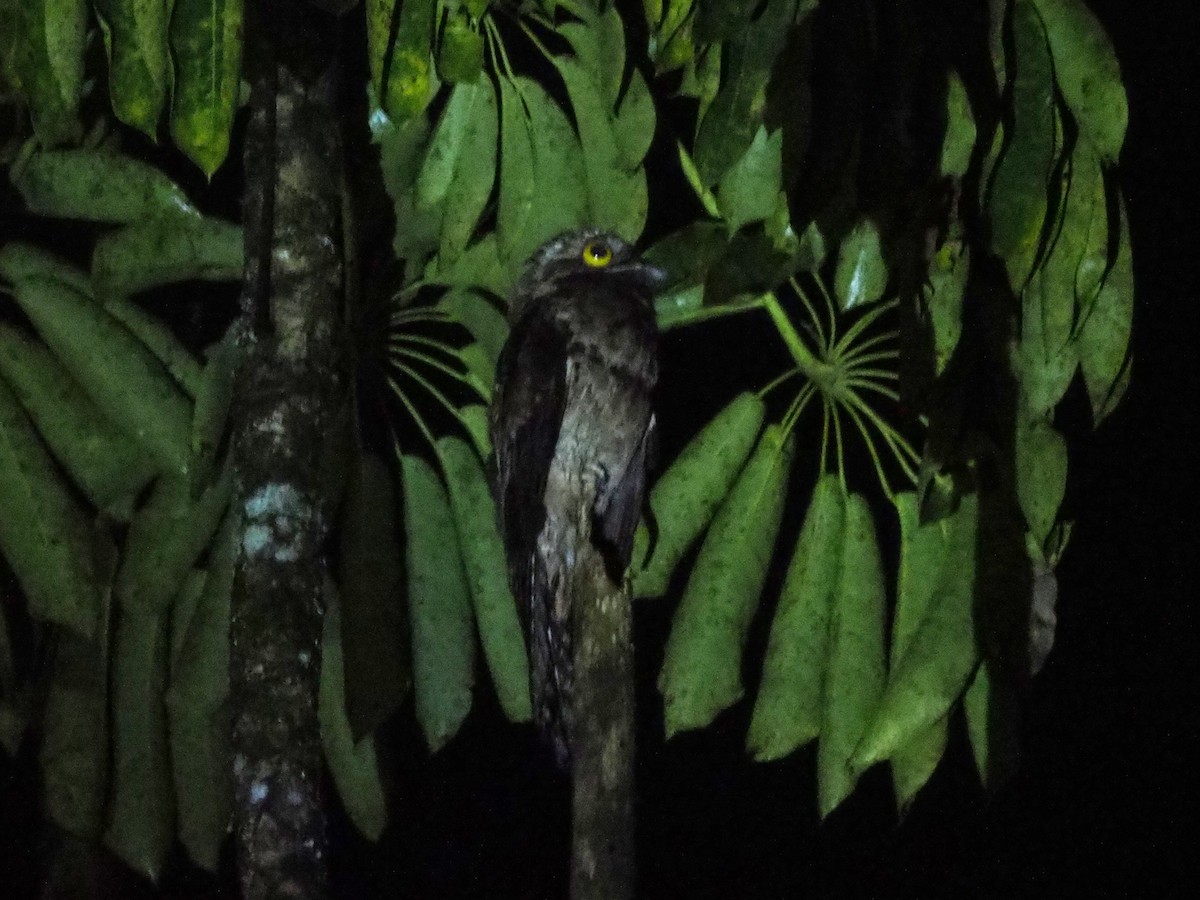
(572, 425)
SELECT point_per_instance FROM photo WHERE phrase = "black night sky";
(1100, 806)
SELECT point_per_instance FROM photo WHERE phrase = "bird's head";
(591, 253)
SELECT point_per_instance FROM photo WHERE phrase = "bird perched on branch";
(572, 426)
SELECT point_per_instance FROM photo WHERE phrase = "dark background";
(1100, 806)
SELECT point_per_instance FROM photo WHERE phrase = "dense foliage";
(920, 198)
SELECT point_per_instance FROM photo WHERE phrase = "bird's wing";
(527, 414)
(619, 507)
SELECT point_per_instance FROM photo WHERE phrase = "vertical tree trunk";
(602, 747)
(290, 385)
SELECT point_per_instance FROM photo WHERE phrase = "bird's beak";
(651, 277)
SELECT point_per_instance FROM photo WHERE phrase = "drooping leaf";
(944, 294)
(689, 492)
(401, 150)
(959, 141)
(460, 165)
(20, 261)
(44, 534)
(438, 604)
(352, 760)
(74, 753)
(1017, 205)
(855, 676)
(939, 657)
(701, 673)
(460, 54)
(1041, 465)
(197, 724)
(206, 45)
(99, 186)
(1044, 367)
(861, 274)
(49, 37)
(747, 191)
(160, 341)
(108, 465)
(375, 632)
(128, 384)
(165, 539)
(485, 323)
(148, 255)
(139, 63)
(1104, 354)
(543, 185)
(401, 67)
(214, 397)
(791, 695)
(617, 196)
(1087, 73)
(141, 823)
(478, 531)
(732, 119)
(923, 555)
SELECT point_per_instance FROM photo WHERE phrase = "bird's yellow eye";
(597, 254)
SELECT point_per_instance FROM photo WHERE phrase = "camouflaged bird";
(572, 426)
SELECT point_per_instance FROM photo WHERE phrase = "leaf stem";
(814, 369)
(777, 381)
(862, 324)
(412, 411)
(866, 436)
(812, 313)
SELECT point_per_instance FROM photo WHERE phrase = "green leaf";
(197, 721)
(861, 275)
(165, 540)
(687, 255)
(923, 551)
(993, 713)
(151, 254)
(855, 677)
(20, 261)
(1044, 366)
(701, 673)
(688, 493)
(937, 660)
(139, 64)
(944, 293)
(375, 631)
(731, 121)
(747, 192)
(1087, 73)
(352, 761)
(107, 464)
(460, 55)
(142, 808)
(206, 44)
(478, 267)
(791, 696)
(401, 72)
(478, 531)
(43, 532)
(401, 149)
(1104, 335)
(214, 397)
(1017, 205)
(438, 604)
(99, 186)
(616, 195)
(128, 384)
(486, 324)
(49, 37)
(1041, 464)
(160, 341)
(960, 129)
(74, 754)
(460, 166)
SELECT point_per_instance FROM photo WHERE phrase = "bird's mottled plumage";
(571, 424)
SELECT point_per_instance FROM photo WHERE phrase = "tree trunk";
(290, 385)
(602, 746)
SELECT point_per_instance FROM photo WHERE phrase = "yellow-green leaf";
(139, 63)
(206, 42)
